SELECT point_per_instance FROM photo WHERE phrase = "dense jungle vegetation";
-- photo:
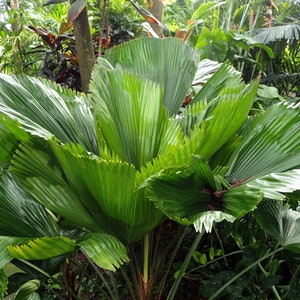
(149, 149)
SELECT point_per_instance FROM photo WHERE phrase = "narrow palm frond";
(168, 62)
(44, 110)
(287, 32)
(105, 250)
(271, 144)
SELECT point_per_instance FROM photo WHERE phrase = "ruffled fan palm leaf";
(263, 165)
(280, 222)
(85, 158)
(167, 62)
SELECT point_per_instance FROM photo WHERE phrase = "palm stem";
(146, 258)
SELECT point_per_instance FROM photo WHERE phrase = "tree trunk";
(84, 47)
(157, 10)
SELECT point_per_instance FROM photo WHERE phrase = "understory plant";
(99, 173)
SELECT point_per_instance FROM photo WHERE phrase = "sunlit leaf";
(42, 248)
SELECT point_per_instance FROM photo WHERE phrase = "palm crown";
(118, 161)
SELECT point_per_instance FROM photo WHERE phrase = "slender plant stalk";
(146, 259)
(228, 283)
(186, 261)
(170, 262)
(111, 293)
(276, 295)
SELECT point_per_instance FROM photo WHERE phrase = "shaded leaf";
(28, 291)
(280, 222)
(3, 284)
(105, 250)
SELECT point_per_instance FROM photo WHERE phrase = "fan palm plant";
(92, 160)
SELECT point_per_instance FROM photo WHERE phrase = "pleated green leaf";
(274, 185)
(205, 221)
(271, 144)
(178, 193)
(42, 248)
(280, 222)
(225, 76)
(118, 207)
(10, 136)
(27, 291)
(20, 215)
(44, 109)
(131, 115)
(105, 250)
(6, 241)
(3, 284)
(240, 200)
(44, 181)
(172, 63)
(226, 118)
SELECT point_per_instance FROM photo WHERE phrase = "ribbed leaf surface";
(271, 144)
(44, 109)
(105, 250)
(42, 248)
(280, 222)
(226, 118)
(131, 115)
(20, 215)
(287, 32)
(111, 184)
(6, 241)
(168, 62)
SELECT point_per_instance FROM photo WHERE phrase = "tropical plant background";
(165, 167)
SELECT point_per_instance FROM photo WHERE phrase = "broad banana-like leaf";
(280, 222)
(172, 63)
(45, 109)
(42, 248)
(271, 144)
(105, 250)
